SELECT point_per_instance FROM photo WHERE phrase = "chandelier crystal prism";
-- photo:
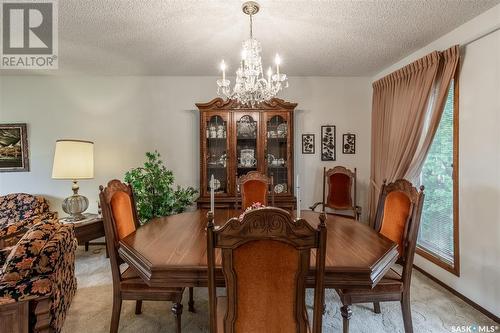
(251, 87)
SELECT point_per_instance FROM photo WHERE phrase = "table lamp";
(74, 160)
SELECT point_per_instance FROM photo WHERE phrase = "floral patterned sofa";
(18, 212)
(40, 269)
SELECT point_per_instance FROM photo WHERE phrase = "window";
(438, 236)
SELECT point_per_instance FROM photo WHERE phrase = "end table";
(88, 229)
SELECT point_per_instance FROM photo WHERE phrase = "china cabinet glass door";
(246, 142)
(277, 155)
(217, 153)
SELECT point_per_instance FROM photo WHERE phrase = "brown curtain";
(401, 106)
(447, 69)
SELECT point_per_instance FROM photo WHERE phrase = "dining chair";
(340, 192)
(398, 219)
(120, 219)
(265, 262)
(254, 187)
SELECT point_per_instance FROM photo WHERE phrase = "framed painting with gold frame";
(14, 153)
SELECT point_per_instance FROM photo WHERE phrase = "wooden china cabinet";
(235, 140)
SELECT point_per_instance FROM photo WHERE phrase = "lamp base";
(75, 205)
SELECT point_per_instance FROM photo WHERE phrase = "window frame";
(421, 250)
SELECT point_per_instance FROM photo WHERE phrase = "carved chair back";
(120, 219)
(254, 187)
(398, 218)
(341, 188)
(265, 261)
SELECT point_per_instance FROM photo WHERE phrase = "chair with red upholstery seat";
(397, 218)
(120, 220)
(254, 187)
(265, 261)
(341, 191)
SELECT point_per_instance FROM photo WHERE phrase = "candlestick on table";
(212, 194)
(298, 198)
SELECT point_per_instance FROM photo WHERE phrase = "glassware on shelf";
(277, 145)
(280, 188)
(281, 130)
(247, 158)
(216, 129)
(246, 128)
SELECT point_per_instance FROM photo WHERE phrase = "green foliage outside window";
(436, 230)
(154, 190)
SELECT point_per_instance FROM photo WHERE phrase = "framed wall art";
(308, 144)
(349, 143)
(13, 148)
(328, 143)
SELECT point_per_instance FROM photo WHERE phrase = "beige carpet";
(434, 309)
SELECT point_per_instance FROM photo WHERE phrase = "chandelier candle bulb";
(269, 74)
(243, 57)
(223, 68)
(277, 60)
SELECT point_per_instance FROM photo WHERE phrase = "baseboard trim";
(459, 295)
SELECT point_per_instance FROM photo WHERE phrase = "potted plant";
(154, 190)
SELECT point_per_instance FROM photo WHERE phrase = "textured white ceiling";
(325, 38)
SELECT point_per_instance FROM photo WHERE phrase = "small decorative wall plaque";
(307, 143)
(328, 143)
(349, 143)
(13, 148)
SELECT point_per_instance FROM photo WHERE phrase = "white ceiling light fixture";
(251, 86)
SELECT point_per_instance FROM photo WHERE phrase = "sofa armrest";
(27, 288)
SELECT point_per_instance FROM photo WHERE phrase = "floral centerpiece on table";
(255, 205)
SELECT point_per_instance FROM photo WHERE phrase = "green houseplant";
(154, 189)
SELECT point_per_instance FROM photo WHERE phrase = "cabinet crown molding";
(221, 104)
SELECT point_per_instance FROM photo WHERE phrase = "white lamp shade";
(73, 159)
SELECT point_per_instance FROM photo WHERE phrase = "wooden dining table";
(171, 251)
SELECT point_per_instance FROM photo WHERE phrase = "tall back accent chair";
(254, 187)
(265, 261)
(120, 220)
(397, 218)
(341, 191)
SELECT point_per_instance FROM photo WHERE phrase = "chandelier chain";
(251, 26)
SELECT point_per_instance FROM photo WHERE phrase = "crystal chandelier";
(251, 87)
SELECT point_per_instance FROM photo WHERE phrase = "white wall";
(111, 112)
(127, 116)
(479, 160)
(346, 103)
